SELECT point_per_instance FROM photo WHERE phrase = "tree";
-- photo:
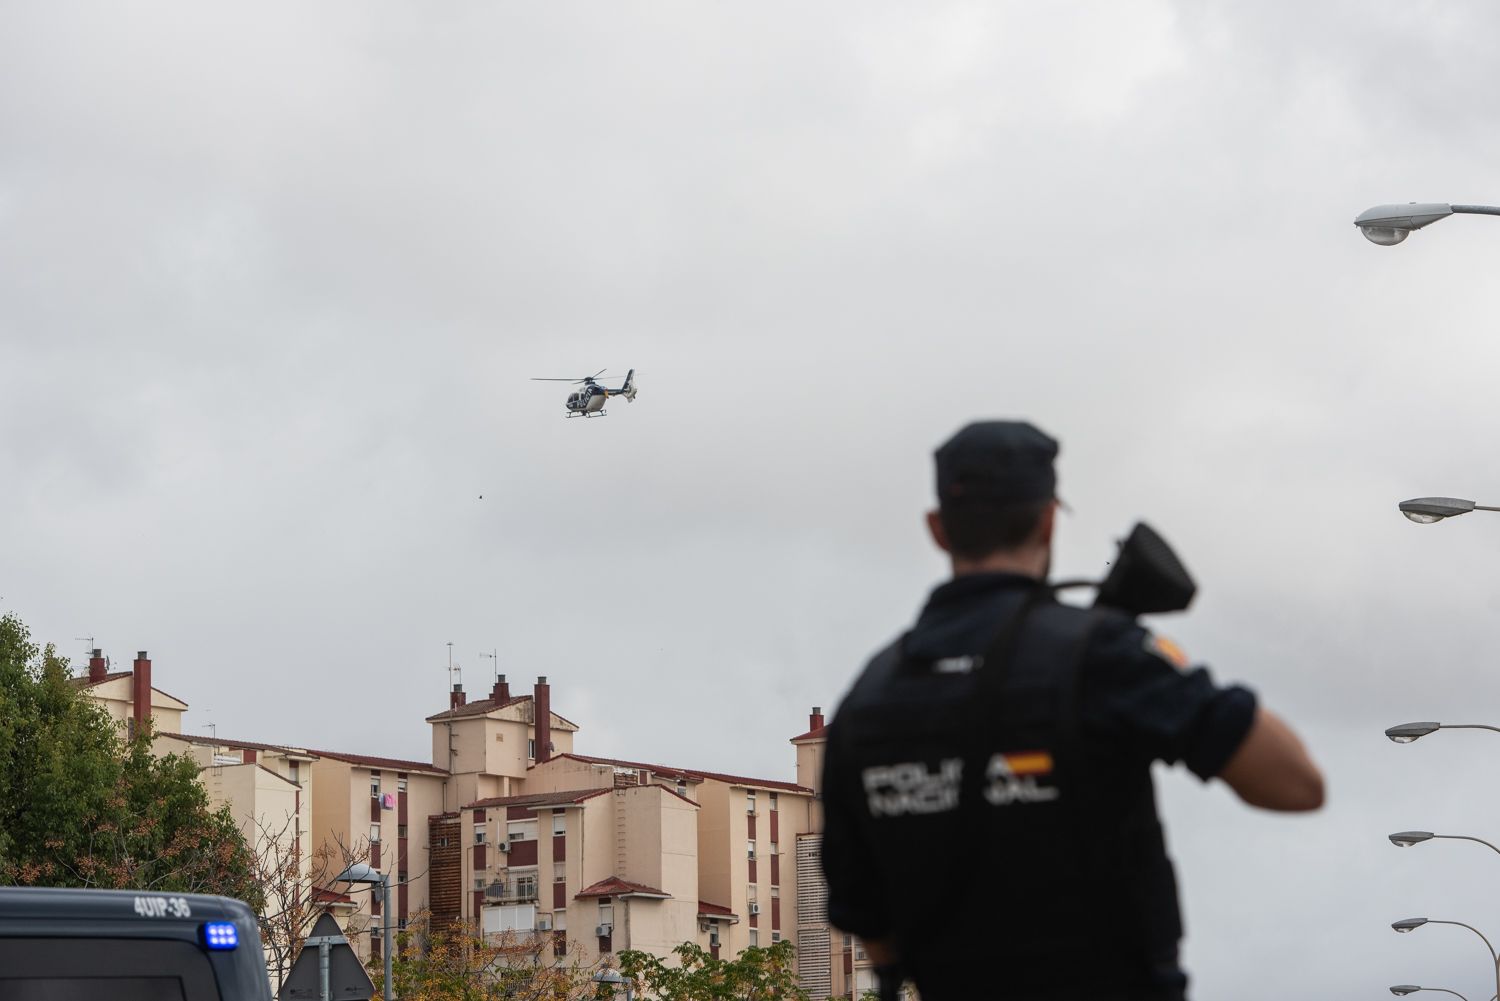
(458, 962)
(755, 975)
(81, 806)
(293, 889)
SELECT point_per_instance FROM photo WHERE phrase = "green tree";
(81, 806)
(755, 975)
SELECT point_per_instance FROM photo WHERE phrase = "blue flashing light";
(221, 935)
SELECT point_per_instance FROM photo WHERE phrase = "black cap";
(1002, 462)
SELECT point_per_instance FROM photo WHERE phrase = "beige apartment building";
(507, 827)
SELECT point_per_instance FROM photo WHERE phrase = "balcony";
(522, 892)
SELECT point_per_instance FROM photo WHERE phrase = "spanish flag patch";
(1160, 646)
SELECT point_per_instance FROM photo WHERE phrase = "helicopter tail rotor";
(628, 390)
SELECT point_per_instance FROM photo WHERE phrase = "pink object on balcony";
(387, 801)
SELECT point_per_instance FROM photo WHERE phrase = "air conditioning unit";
(544, 923)
(750, 809)
(505, 847)
(754, 908)
(603, 931)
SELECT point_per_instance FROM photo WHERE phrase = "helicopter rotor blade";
(535, 379)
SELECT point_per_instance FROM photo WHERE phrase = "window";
(773, 801)
(754, 938)
(479, 835)
(443, 842)
(750, 893)
(291, 770)
(606, 911)
(400, 830)
(479, 883)
(521, 830)
(559, 822)
(525, 887)
(750, 850)
(682, 788)
(374, 785)
(775, 936)
(400, 785)
(559, 872)
(749, 800)
(374, 832)
(531, 749)
(773, 848)
(559, 944)
(775, 893)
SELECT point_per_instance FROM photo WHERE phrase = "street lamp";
(614, 979)
(361, 872)
(1408, 732)
(1429, 510)
(1405, 839)
(1401, 990)
(1388, 225)
(1411, 924)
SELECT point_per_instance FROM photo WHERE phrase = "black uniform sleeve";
(1133, 693)
(854, 903)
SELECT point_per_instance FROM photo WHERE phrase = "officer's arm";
(1271, 769)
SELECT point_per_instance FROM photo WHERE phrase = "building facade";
(510, 829)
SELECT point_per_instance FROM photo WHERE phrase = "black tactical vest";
(1019, 858)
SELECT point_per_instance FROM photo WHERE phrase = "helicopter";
(589, 401)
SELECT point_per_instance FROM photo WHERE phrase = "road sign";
(327, 949)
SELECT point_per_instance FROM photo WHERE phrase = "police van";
(123, 945)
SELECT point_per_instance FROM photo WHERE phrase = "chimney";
(140, 692)
(815, 721)
(541, 703)
(502, 690)
(98, 666)
(457, 697)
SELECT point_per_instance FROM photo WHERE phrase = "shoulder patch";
(1165, 649)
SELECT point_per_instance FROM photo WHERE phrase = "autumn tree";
(456, 961)
(757, 974)
(82, 806)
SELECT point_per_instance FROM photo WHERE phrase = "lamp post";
(1405, 839)
(614, 979)
(1401, 990)
(1429, 510)
(361, 872)
(1388, 225)
(1405, 733)
(1411, 924)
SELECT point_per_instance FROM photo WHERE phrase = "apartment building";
(510, 828)
(128, 696)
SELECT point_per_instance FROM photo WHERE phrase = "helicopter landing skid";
(586, 416)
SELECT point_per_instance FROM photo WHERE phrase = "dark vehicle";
(124, 945)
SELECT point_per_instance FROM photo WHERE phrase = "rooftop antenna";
(450, 667)
(90, 641)
(494, 657)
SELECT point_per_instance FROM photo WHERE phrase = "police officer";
(991, 826)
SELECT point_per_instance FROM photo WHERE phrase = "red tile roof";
(690, 774)
(484, 706)
(323, 895)
(394, 764)
(82, 681)
(614, 886)
(193, 738)
(705, 909)
(563, 798)
(821, 733)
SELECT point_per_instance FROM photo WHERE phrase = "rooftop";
(614, 886)
(563, 798)
(82, 681)
(393, 764)
(484, 707)
(690, 774)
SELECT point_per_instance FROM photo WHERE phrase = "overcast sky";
(272, 284)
